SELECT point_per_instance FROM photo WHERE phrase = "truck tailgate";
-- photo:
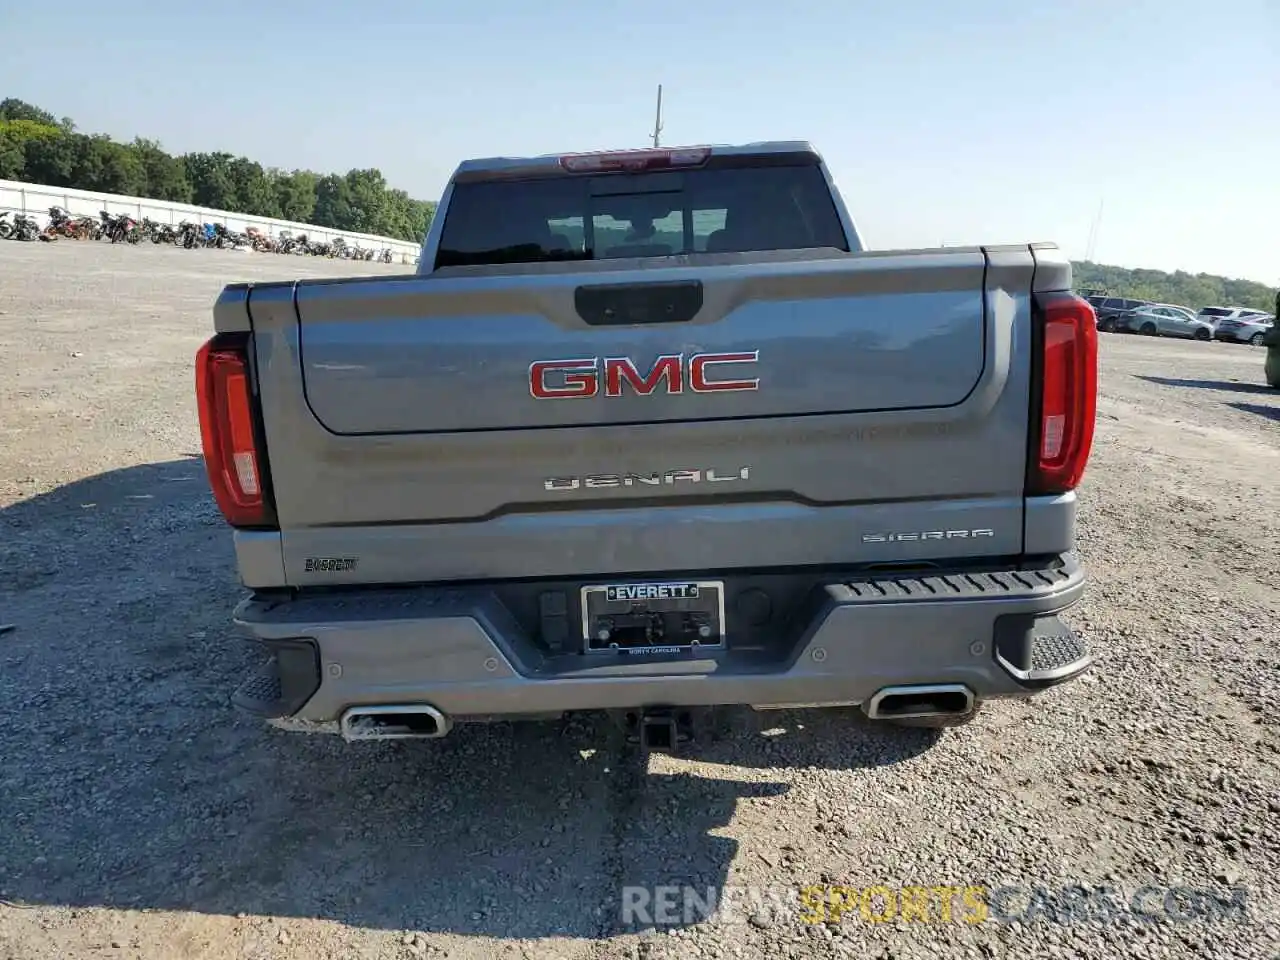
(889, 420)
(443, 354)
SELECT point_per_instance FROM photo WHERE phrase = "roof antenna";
(657, 120)
(1093, 232)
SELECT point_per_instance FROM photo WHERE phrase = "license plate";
(652, 618)
(651, 591)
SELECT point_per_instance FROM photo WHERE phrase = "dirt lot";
(142, 818)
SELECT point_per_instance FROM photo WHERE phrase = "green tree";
(38, 148)
(211, 181)
(333, 203)
(254, 192)
(11, 108)
(367, 201)
(15, 135)
(1179, 288)
(296, 194)
(166, 175)
(422, 212)
(13, 158)
(104, 165)
(51, 160)
(397, 219)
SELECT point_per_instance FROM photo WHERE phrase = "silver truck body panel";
(932, 436)
(871, 487)
(461, 652)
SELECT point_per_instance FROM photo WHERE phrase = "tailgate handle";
(620, 304)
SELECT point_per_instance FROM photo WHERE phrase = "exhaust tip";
(399, 721)
(921, 700)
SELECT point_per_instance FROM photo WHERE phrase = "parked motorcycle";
(298, 245)
(122, 228)
(190, 235)
(60, 223)
(259, 240)
(24, 228)
(225, 239)
(119, 229)
(150, 229)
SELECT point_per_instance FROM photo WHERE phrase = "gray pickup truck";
(649, 432)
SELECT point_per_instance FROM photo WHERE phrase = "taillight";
(227, 431)
(1063, 434)
(634, 160)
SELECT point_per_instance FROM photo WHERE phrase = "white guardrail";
(34, 200)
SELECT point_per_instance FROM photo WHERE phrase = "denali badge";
(572, 379)
(926, 535)
(603, 481)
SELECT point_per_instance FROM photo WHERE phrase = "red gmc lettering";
(699, 383)
(580, 378)
(616, 369)
(572, 379)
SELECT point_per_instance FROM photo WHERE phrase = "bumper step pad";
(1054, 652)
(283, 684)
(261, 692)
(1037, 650)
(1040, 651)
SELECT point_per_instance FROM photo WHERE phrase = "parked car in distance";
(1215, 315)
(1166, 320)
(1111, 309)
(1247, 328)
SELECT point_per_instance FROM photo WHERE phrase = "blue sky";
(944, 121)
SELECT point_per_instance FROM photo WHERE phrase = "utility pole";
(657, 120)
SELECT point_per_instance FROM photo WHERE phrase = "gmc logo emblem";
(573, 379)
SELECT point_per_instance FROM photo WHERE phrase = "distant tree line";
(1194, 290)
(35, 147)
(38, 148)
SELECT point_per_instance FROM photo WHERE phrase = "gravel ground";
(143, 818)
